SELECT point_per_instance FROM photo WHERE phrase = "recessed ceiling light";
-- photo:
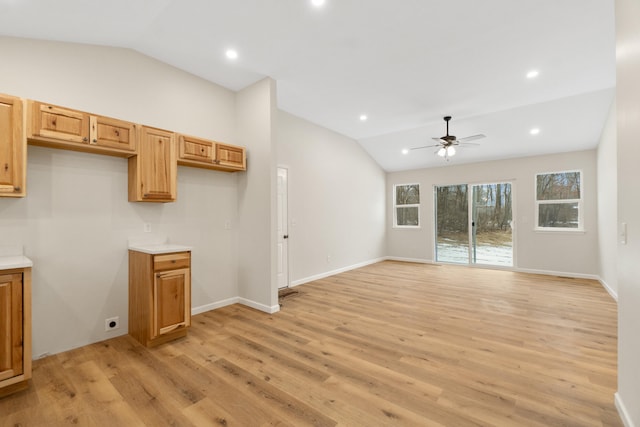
(318, 3)
(232, 54)
(532, 74)
(405, 151)
(534, 131)
(363, 117)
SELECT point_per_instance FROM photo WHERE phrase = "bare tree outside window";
(559, 200)
(407, 205)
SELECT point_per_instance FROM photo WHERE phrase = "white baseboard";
(214, 305)
(235, 300)
(333, 272)
(609, 289)
(259, 306)
(416, 260)
(557, 273)
(622, 411)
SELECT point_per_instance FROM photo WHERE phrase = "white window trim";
(580, 202)
(395, 206)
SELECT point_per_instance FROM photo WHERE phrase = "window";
(559, 201)
(406, 205)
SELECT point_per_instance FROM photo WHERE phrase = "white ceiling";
(404, 63)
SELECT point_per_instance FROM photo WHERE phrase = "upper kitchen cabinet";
(195, 152)
(13, 147)
(202, 153)
(153, 171)
(230, 157)
(59, 127)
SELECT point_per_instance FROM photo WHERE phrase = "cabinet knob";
(85, 139)
(95, 140)
(16, 188)
(6, 167)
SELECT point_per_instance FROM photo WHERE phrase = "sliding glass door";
(473, 224)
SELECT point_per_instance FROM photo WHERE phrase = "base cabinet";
(15, 330)
(159, 296)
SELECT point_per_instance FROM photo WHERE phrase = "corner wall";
(336, 200)
(608, 205)
(256, 116)
(628, 113)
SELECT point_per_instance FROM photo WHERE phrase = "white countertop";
(162, 248)
(15, 261)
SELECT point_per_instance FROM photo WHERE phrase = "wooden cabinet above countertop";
(60, 127)
(153, 154)
(207, 154)
(13, 148)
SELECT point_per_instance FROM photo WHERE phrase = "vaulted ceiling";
(404, 63)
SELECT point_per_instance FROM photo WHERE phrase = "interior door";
(283, 229)
(474, 224)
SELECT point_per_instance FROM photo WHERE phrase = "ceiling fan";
(446, 144)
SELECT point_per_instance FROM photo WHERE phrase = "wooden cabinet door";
(195, 149)
(153, 172)
(230, 157)
(54, 122)
(113, 133)
(13, 148)
(171, 301)
(11, 333)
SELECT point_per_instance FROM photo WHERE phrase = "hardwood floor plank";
(389, 344)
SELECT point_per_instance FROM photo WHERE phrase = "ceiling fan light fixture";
(451, 151)
(442, 152)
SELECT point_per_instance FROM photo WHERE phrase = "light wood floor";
(389, 344)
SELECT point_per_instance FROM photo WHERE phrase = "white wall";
(546, 252)
(608, 204)
(336, 199)
(256, 115)
(628, 113)
(75, 221)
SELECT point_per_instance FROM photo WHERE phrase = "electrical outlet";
(147, 227)
(227, 225)
(328, 259)
(112, 323)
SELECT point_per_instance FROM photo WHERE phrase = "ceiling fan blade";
(425, 146)
(440, 140)
(471, 138)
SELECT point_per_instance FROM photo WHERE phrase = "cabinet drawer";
(171, 261)
(113, 133)
(230, 157)
(196, 149)
(59, 123)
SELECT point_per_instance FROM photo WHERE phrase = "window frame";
(580, 202)
(413, 205)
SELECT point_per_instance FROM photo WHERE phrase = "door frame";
(514, 228)
(285, 241)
